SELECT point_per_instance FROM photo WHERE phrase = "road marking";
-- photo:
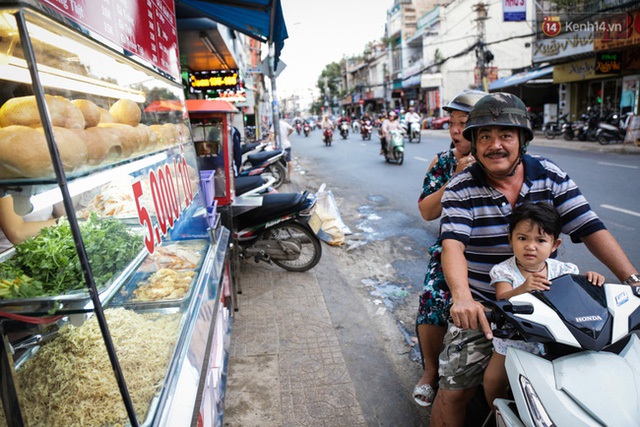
(627, 211)
(422, 159)
(618, 165)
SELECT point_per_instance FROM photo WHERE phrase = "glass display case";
(123, 305)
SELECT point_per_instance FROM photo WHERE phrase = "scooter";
(414, 132)
(306, 128)
(612, 131)
(266, 162)
(298, 128)
(553, 129)
(279, 231)
(327, 137)
(344, 129)
(395, 153)
(590, 373)
(366, 129)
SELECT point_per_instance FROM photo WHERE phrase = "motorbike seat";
(247, 183)
(250, 146)
(273, 206)
(261, 157)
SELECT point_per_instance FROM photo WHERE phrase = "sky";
(322, 32)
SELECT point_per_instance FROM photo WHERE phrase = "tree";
(328, 81)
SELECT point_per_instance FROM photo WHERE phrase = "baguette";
(23, 111)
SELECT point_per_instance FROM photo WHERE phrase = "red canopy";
(210, 106)
(164, 105)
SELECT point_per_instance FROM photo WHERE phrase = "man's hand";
(469, 314)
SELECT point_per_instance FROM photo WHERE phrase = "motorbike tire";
(308, 244)
(603, 140)
(399, 155)
(549, 134)
(279, 172)
(568, 136)
(419, 137)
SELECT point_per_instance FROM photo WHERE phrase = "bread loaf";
(105, 116)
(103, 144)
(24, 152)
(90, 111)
(23, 111)
(126, 112)
(129, 138)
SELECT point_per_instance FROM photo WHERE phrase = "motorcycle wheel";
(418, 137)
(568, 136)
(279, 172)
(549, 134)
(399, 155)
(603, 140)
(307, 246)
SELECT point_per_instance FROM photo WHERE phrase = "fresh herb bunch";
(51, 259)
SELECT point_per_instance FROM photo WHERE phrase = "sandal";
(424, 395)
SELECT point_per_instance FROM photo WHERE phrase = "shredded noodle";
(70, 382)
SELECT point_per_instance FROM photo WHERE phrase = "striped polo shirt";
(478, 215)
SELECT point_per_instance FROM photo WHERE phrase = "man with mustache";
(477, 205)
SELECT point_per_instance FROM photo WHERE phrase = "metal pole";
(274, 97)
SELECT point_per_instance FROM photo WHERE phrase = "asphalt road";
(609, 180)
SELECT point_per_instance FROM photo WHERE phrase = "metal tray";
(75, 301)
(124, 297)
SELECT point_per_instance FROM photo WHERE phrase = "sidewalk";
(540, 140)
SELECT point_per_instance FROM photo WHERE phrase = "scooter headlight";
(534, 404)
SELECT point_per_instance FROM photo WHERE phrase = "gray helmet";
(464, 101)
(499, 109)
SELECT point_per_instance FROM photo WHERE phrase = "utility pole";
(482, 55)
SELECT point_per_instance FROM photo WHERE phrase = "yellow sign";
(585, 69)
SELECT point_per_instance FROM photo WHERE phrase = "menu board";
(146, 28)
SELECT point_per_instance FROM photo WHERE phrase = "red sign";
(146, 28)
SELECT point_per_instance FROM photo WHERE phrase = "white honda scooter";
(584, 379)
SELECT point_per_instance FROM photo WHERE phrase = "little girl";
(533, 233)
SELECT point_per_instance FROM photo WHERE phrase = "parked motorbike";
(344, 129)
(266, 162)
(613, 130)
(306, 128)
(327, 137)
(414, 132)
(366, 129)
(583, 328)
(278, 231)
(553, 129)
(395, 153)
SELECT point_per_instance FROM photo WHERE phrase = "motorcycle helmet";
(392, 114)
(464, 101)
(499, 109)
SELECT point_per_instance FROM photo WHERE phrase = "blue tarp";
(520, 78)
(250, 17)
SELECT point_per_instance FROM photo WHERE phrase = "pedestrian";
(476, 206)
(534, 235)
(431, 321)
(285, 131)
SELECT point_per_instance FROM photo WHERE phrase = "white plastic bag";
(333, 229)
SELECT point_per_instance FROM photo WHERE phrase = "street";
(336, 345)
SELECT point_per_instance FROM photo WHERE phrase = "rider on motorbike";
(389, 125)
(412, 117)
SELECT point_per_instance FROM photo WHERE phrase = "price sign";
(171, 193)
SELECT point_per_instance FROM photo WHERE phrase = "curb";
(560, 142)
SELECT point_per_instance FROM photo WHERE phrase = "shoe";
(424, 395)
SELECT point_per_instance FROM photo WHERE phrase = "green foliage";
(48, 263)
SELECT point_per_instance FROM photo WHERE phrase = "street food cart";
(136, 330)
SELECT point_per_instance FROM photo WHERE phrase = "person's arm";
(14, 227)
(607, 250)
(431, 207)
(465, 312)
(504, 290)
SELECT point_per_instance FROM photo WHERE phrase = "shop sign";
(491, 75)
(514, 10)
(561, 47)
(146, 28)
(618, 30)
(575, 71)
(213, 80)
(608, 63)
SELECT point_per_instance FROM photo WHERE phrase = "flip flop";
(424, 395)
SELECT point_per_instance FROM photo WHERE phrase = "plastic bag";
(333, 229)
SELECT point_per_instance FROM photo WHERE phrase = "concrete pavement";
(305, 351)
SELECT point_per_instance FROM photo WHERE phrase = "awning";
(210, 106)
(520, 78)
(164, 105)
(260, 19)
